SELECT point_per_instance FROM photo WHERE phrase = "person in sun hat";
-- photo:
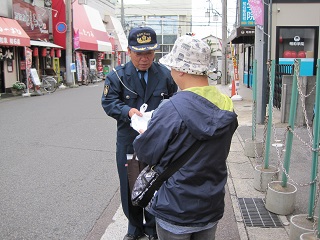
(126, 89)
(191, 202)
(190, 56)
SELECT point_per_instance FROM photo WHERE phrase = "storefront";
(35, 20)
(243, 36)
(115, 30)
(13, 39)
(298, 42)
(90, 38)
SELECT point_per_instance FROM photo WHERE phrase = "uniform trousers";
(135, 215)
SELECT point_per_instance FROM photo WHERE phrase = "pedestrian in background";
(191, 202)
(126, 88)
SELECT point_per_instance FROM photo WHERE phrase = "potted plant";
(18, 88)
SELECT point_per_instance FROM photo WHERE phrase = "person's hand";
(134, 111)
(141, 131)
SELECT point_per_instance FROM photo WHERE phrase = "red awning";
(89, 30)
(12, 34)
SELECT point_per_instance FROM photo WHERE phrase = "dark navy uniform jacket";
(119, 98)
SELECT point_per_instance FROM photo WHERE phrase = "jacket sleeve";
(153, 144)
(111, 100)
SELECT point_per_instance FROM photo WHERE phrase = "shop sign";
(9, 40)
(33, 19)
(99, 62)
(257, 9)
(76, 40)
(246, 16)
(22, 65)
(6, 53)
(79, 66)
(297, 41)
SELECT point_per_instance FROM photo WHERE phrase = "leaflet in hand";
(141, 123)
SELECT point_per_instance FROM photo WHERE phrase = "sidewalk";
(241, 168)
(239, 185)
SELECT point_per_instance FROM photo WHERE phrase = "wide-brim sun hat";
(189, 55)
(142, 39)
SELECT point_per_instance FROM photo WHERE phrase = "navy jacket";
(119, 97)
(194, 195)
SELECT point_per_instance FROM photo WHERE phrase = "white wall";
(6, 9)
(155, 7)
(181, 8)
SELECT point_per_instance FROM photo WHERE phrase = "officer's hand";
(134, 111)
(141, 131)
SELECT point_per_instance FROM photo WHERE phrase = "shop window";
(298, 42)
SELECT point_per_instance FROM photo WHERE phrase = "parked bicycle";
(48, 82)
(91, 77)
(215, 75)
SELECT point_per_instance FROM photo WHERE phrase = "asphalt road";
(57, 165)
(58, 174)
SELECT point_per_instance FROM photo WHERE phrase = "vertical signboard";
(246, 17)
(56, 68)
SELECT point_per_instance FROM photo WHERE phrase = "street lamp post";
(216, 14)
(224, 78)
(210, 10)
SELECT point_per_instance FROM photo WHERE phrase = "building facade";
(281, 32)
(33, 35)
(13, 40)
(169, 19)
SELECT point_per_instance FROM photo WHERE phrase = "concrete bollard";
(280, 200)
(251, 146)
(308, 236)
(262, 176)
(299, 224)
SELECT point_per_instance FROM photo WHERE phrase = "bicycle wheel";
(92, 78)
(87, 80)
(49, 84)
(219, 75)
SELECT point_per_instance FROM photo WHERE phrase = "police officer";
(126, 88)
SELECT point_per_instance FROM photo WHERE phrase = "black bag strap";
(178, 163)
(171, 169)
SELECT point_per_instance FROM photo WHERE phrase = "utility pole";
(69, 76)
(261, 51)
(123, 23)
(224, 78)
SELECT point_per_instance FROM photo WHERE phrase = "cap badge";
(143, 38)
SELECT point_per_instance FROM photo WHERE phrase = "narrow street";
(58, 172)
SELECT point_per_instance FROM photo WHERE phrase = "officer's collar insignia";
(106, 90)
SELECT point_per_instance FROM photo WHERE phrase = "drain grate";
(255, 214)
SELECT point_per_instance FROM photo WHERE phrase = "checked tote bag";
(149, 180)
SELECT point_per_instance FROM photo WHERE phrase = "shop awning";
(12, 34)
(89, 30)
(44, 44)
(242, 35)
(115, 29)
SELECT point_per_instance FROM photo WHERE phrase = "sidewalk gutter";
(241, 168)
